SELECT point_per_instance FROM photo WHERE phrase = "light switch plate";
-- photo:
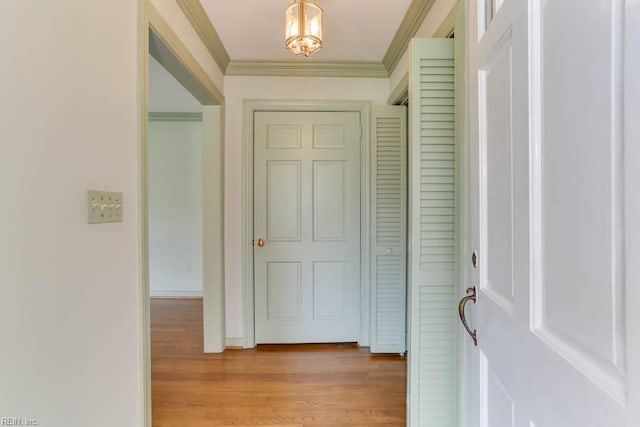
(104, 206)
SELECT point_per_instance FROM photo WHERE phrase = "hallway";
(272, 385)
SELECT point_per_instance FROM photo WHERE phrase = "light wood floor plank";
(308, 385)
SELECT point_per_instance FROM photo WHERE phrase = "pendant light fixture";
(303, 27)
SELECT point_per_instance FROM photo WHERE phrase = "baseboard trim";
(175, 117)
(234, 343)
(175, 294)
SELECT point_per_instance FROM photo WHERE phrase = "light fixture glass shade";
(303, 27)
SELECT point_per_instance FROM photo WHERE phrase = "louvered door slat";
(432, 200)
(389, 193)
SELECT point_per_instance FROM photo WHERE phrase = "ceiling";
(247, 38)
(354, 30)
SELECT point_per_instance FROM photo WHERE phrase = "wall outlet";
(104, 206)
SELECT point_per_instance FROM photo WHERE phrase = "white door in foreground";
(547, 199)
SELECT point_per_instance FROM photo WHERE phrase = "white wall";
(166, 94)
(175, 208)
(70, 302)
(439, 11)
(238, 88)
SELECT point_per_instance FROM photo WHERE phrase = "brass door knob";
(261, 242)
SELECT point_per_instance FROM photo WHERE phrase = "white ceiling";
(356, 30)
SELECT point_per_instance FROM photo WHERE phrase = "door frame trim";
(463, 214)
(250, 107)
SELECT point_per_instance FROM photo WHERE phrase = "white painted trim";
(293, 68)
(400, 94)
(175, 294)
(167, 48)
(449, 23)
(632, 198)
(143, 215)
(175, 117)
(234, 342)
(201, 23)
(462, 213)
(416, 13)
(249, 108)
(213, 228)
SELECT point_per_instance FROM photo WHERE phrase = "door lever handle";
(471, 296)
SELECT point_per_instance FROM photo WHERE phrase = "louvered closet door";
(432, 400)
(389, 198)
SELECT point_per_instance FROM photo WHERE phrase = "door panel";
(307, 210)
(328, 290)
(329, 136)
(329, 192)
(496, 127)
(284, 210)
(499, 410)
(283, 291)
(586, 134)
(284, 136)
(547, 215)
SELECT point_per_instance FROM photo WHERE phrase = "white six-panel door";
(307, 212)
(547, 216)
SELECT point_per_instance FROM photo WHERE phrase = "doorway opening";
(160, 42)
(174, 145)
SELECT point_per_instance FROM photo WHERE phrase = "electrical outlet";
(104, 206)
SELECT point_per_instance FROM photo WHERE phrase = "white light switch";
(104, 206)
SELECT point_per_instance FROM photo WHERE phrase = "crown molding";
(418, 10)
(175, 117)
(400, 94)
(449, 24)
(201, 23)
(372, 69)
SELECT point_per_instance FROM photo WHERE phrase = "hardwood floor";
(272, 385)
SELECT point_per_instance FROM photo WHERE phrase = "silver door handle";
(471, 296)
